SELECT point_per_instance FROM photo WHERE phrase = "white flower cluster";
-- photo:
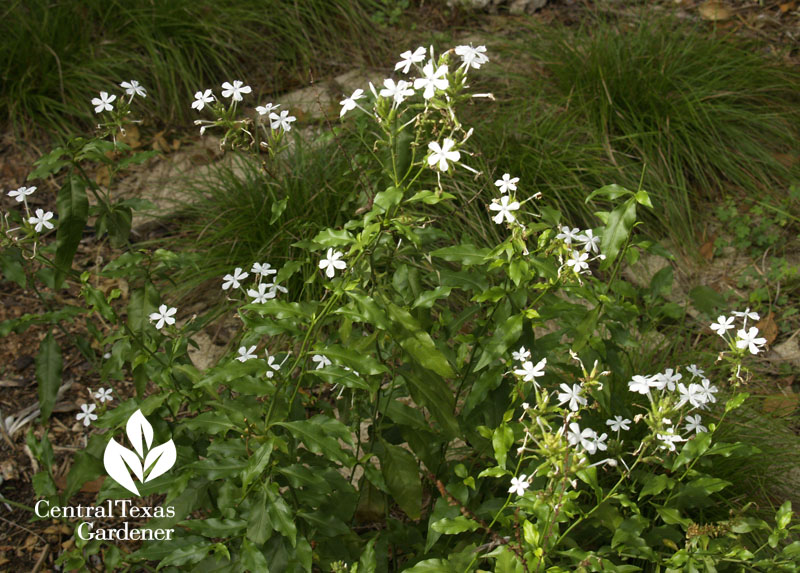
(234, 91)
(263, 291)
(745, 337)
(87, 415)
(589, 242)
(105, 101)
(529, 372)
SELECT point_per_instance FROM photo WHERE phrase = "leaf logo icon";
(145, 462)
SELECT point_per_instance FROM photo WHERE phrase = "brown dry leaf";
(781, 404)
(786, 6)
(131, 137)
(160, 143)
(707, 250)
(89, 487)
(103, 176)
(768, 328)
(714, 11)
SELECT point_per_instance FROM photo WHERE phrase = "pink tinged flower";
(529, 372)
(332, 262)
(519, 485)
(41, 220)
(397, 91)
(504, 208)
(236, 90)
(164, 315)
(472, 57)
(263, 269)
(103, 395)
(432, 80)
(283, 121)
(693, 424)
(233, 280)
(201, 99)
(521, 355)
(409, 58)
(507, 183)
(349, 103)
(619, 423)
(578, 261)
(749, 339)
(442, 154)
(568, 235)
(265, 109)
(21, 193)
(639, 384)
(132, 88)
(723, 325)
(86, 414)
(246, 354)
(573, 396)
(103, 103)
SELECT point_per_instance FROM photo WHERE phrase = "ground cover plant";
(423, 400)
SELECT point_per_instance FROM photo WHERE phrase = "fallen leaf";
(103, 176)
(768, 328)
(131, 137)
(714, 11)
(781, 404)
(707, 250)
(786, 6)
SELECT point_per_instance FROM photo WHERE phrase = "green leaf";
(358, 361)
(277, 209)
(257, 462)
(504, 336)
(784, 515)
(368, 562)
(429, 297)
(502, 440)
(693, 449)
(73, 212)
(672, 516)
(215, 527)
(467, 254)
(281, 516)
(259, 524)
(429, 197)
(458, 524)
(48, 374)
(643, 198)
(399, 469)
(389, 198)
(85, 467)
(252, 559)
(736, 401)
(369, 311)
(142, 302)
(431, 391)
(707, 300)
(337, 375)
(620, 223)
(417, 342)
(333, 238)
(611, 192)
(188, 554)
(319, 434)
(654, 485)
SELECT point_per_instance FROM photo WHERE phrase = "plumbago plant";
(431, 411)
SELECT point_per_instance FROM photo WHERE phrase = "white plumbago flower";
(504, 209)
(585, 438)
(271, 363)
(331, 262)
(432, 80)
(577, 261)
(442, 154)
(670, 439)
(573, 396)
(233, 280)
(657, 381)
(507, 183)
(747, 339)
(746, 314)
(103, 395)
(398, 91)
(164, 315)
(472, 57)
(590, 242)
(723, 325)
(694, 371)
(236, 90)
(284, 120)
(568, 235)
(274, 288)
(201, 99)
(529, 371)
(619, 423)
(261, 295)
(86, 414)
(640, 384)
(670, 378)
(263, 269)
(103, 103)
(321, 360)
(21, 193)
(693, 424)
(132, 88)
(693, 394)
(600, 442)
(521, 355)
(246, 354)
(349, 103)
(519, 485)
(265, 109)
(707, 391)
(409, 58)
(525, 405)
(41, 220)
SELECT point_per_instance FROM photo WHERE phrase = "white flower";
(723, 325)
(590, 242)
(236, 90)
(261, 295)
(507, 183)
(747, 339)
(577, 261)
(274, 288)
(584, 438)
(104, 395)
(746, 314)
(707, 391)
(263, 269)
(233, 280)
(472, 57)
(573, 396)
(265, 109)
(133, 88)
(529, 371)
(640, 384)
(409, 58)
(669, 378)
(521, 355)
(201, 99)
(41, 219)
(272, 364)
(331, 262)
(695, 371)
(693, 394)
(245, 353)
(284, 120)
(398, 91)
(670, 439)
(433, 80)
(164, 315)
(349, 103)
(103, 103)
(21, 193)
(504, 209)
(600, 442)
(519, 485)
(567, 234)
(619, 423)
(321, 360)
(443, 154)
(86, 414)
(525, 405)
(693, 423)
